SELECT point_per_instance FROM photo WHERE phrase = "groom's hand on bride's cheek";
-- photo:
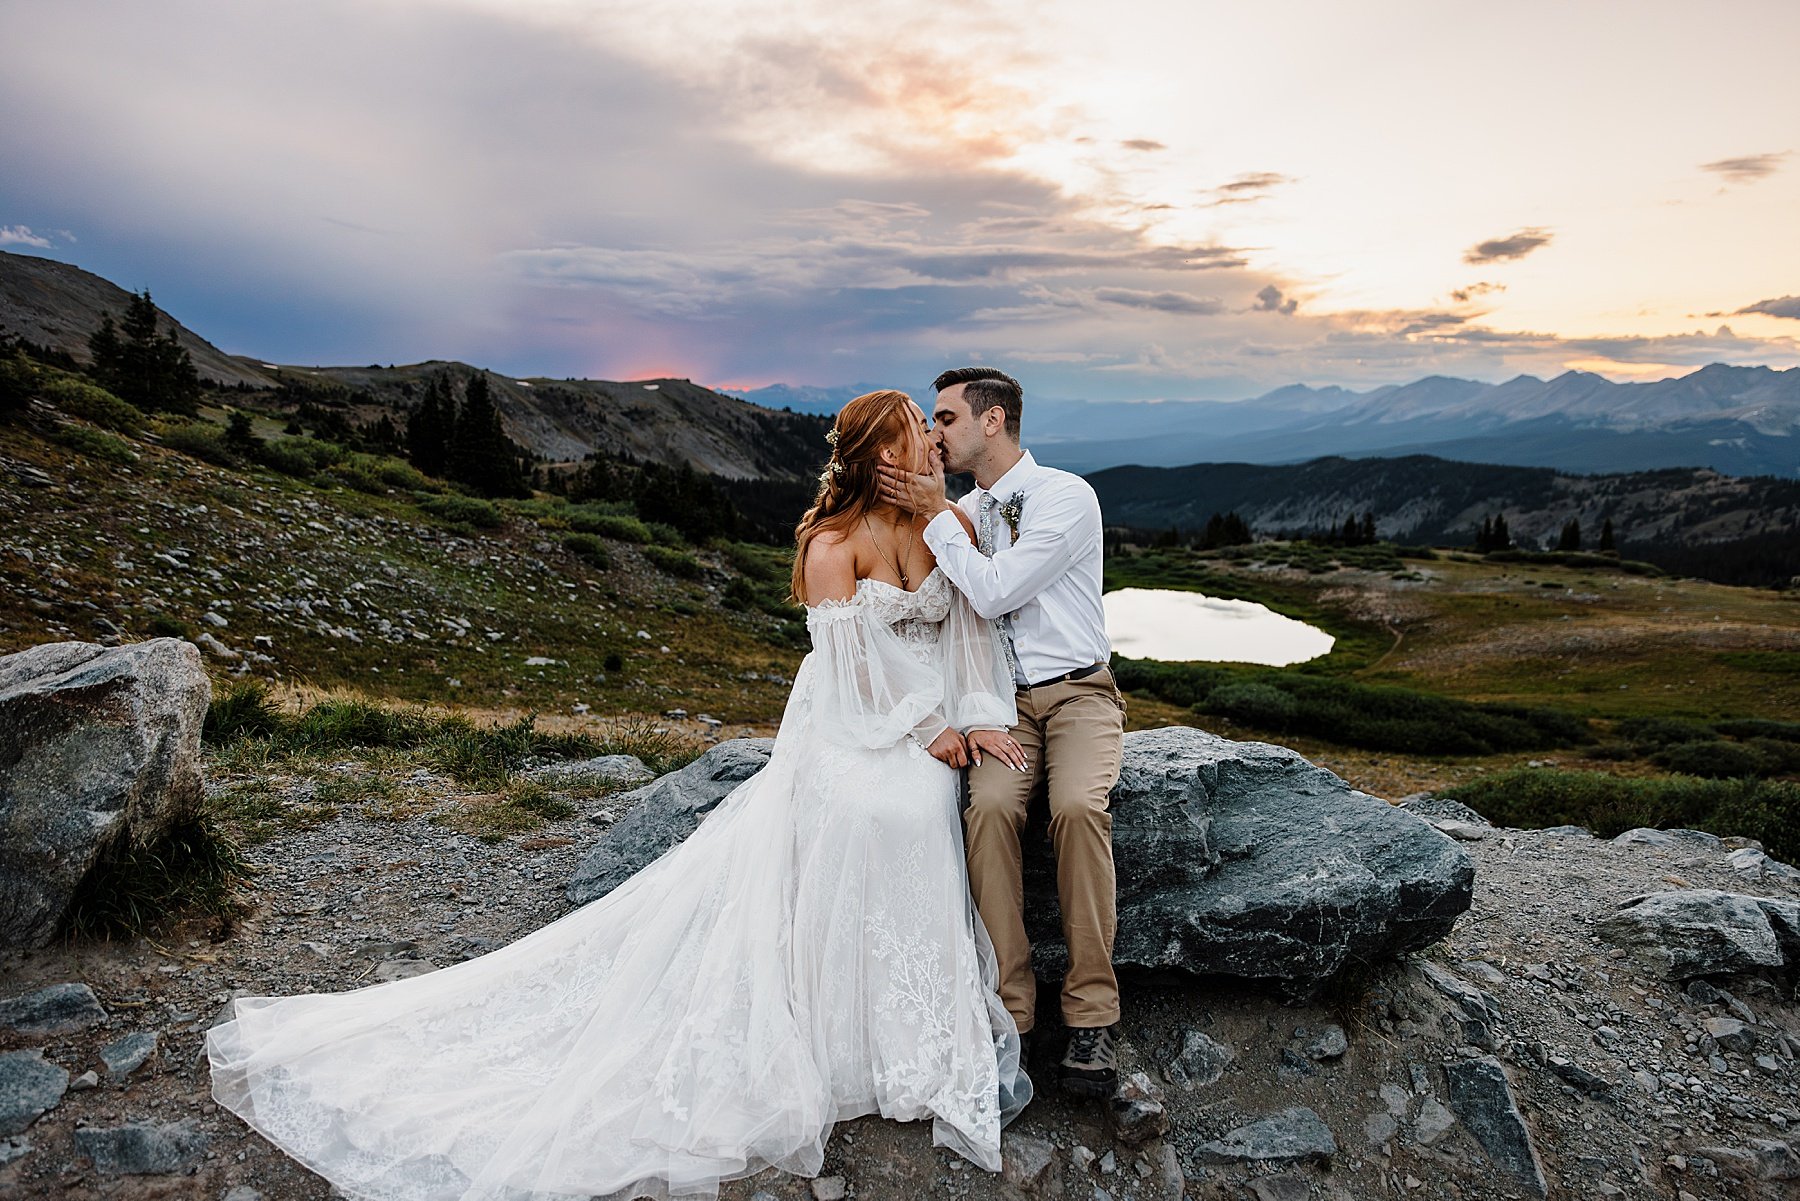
(915, 493)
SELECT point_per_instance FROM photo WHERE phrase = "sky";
(1128, 200)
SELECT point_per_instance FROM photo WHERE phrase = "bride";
(808, 955)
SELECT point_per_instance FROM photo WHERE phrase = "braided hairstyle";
(850, 485)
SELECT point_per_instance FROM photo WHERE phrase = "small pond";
(1157, 623)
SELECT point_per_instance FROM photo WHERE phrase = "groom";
(1033, 565)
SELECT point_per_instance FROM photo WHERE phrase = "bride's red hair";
(850, 485)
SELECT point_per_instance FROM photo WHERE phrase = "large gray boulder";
(97, 744)
(1233, 858)
(663, 813)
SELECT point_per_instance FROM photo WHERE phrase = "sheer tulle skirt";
(808, 955)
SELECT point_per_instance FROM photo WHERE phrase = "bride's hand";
(949, 748)
(919, 493)
(1000, 745)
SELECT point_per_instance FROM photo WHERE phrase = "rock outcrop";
(1233, 858)
(1705, 932)
(97, 745)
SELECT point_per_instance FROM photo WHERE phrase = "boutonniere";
(1011, 511)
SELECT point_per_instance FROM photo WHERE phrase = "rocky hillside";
(671, 421)
(407, 594)
(57, 306)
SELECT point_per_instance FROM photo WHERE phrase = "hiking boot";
(1090, 1067)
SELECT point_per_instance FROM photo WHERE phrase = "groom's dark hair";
(987, 388)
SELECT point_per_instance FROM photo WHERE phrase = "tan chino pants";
(1071, 733)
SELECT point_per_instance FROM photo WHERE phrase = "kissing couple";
(821, 947)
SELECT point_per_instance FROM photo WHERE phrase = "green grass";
(1766, 810)
(195, 869)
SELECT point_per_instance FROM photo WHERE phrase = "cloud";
(1748, 169)
(1142, 144)
(1270, 300)
(1779, 306)
(1480, 288)
(1245, 189)
(1516, 246)
(1162, 302)
(21, 235)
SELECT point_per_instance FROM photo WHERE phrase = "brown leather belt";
(1080, 673)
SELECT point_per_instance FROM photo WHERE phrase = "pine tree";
(1367, 534)
(1571, 535)
(1351, 531)
(428, 428)
(240, 436)
(1484, 538)
(1502, 535)
(131, 361)
(1606, 537)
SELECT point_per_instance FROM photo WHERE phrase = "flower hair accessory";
(832, 468)
(1011, 511)
(831, 436)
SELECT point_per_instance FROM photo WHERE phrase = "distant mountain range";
(1420, 499)
(1736, 420)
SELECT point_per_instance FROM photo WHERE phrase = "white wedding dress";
(809, 954)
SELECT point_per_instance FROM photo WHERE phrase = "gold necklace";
(898, 570)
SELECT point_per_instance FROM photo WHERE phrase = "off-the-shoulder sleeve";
(870, 691)
(978, 687)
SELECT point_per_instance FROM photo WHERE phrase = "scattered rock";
(1704, 932)
(213, 647)
(88, 1079)
(1025, 1161)
(1482, 1098)
(1731, 1034)
(1433, 1123)
(58, 1009)
(829, 1188)
(126, 1055)
(1293, 1135)
(1137, 1112)
(1329, 1043)
(241, 1192)
(1644, 836)
(1378, 1128)
(142, 1148)
(1200, 1062)
(13, 1148)
(611, 769)
(30, 1086)
(97, 744)
(1473, 1015)
(1284, 1187)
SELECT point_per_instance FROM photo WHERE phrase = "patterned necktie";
(984, 542)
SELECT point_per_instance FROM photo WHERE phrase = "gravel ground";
(1622, 1084)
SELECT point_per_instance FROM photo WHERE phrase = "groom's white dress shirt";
(1049, 579)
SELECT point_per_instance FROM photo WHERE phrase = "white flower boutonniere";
(1011, 511)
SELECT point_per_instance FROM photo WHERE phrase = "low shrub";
(163, 626)
(665, 534)
(1255, 704)
(90, 402)
(299, 456)
(1714, 759)
(85, 440)
(589, 549)
(1651, 733)
(674, 562)
(1766, 810)
(1758, 727)
(201, 439)
(463, 510)
(617, 526)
